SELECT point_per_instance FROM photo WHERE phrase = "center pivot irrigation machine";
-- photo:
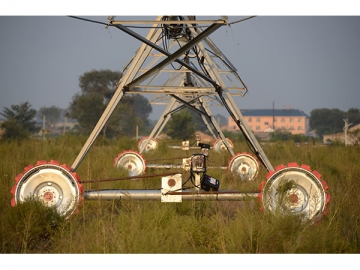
(179, 65)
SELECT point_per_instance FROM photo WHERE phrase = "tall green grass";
(150, 227)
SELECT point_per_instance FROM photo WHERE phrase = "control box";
(210, 183)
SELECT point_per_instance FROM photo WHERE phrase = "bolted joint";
(218, 89)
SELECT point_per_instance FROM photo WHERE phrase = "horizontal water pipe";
(156, 194)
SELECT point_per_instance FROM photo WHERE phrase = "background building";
(268, 120)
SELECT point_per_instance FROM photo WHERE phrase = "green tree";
(181, 126)
(97, 88)
(52, 114)
(134, 111)
(327, 121)
(86, 109)
(20, 121)
(197, 120)
(353, 116)
(102, 82)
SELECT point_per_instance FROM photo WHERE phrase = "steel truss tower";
(179, 64)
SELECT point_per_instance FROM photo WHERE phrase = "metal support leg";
(239, 120)
(233, 110)
(119, 93)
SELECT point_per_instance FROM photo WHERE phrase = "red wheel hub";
(48, 196)
(293, 198)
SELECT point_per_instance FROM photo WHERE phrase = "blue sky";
(298, 60)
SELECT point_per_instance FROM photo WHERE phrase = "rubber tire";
(295, 189)
(52, 183)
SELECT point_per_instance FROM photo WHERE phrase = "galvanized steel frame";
(204, 85)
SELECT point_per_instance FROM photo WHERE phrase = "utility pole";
(273, 115)
(346, 127)
(64, 130)
(43, 128)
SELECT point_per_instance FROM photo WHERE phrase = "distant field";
(187, 227)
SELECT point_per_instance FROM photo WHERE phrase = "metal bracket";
(171, 183)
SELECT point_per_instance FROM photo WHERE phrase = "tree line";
(86, 107)
(97, 88)
(328, 121)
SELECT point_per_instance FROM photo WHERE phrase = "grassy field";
(200, 227)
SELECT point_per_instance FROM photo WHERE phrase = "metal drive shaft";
(155, 194)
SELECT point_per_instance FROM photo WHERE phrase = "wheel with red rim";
(151, 145)
(131, 161)
(219, 145)
(245, 166)
(50, 182)
(295, 189)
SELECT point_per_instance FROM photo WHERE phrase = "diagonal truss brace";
(121, 89)
(200, 107)
(129, 83)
